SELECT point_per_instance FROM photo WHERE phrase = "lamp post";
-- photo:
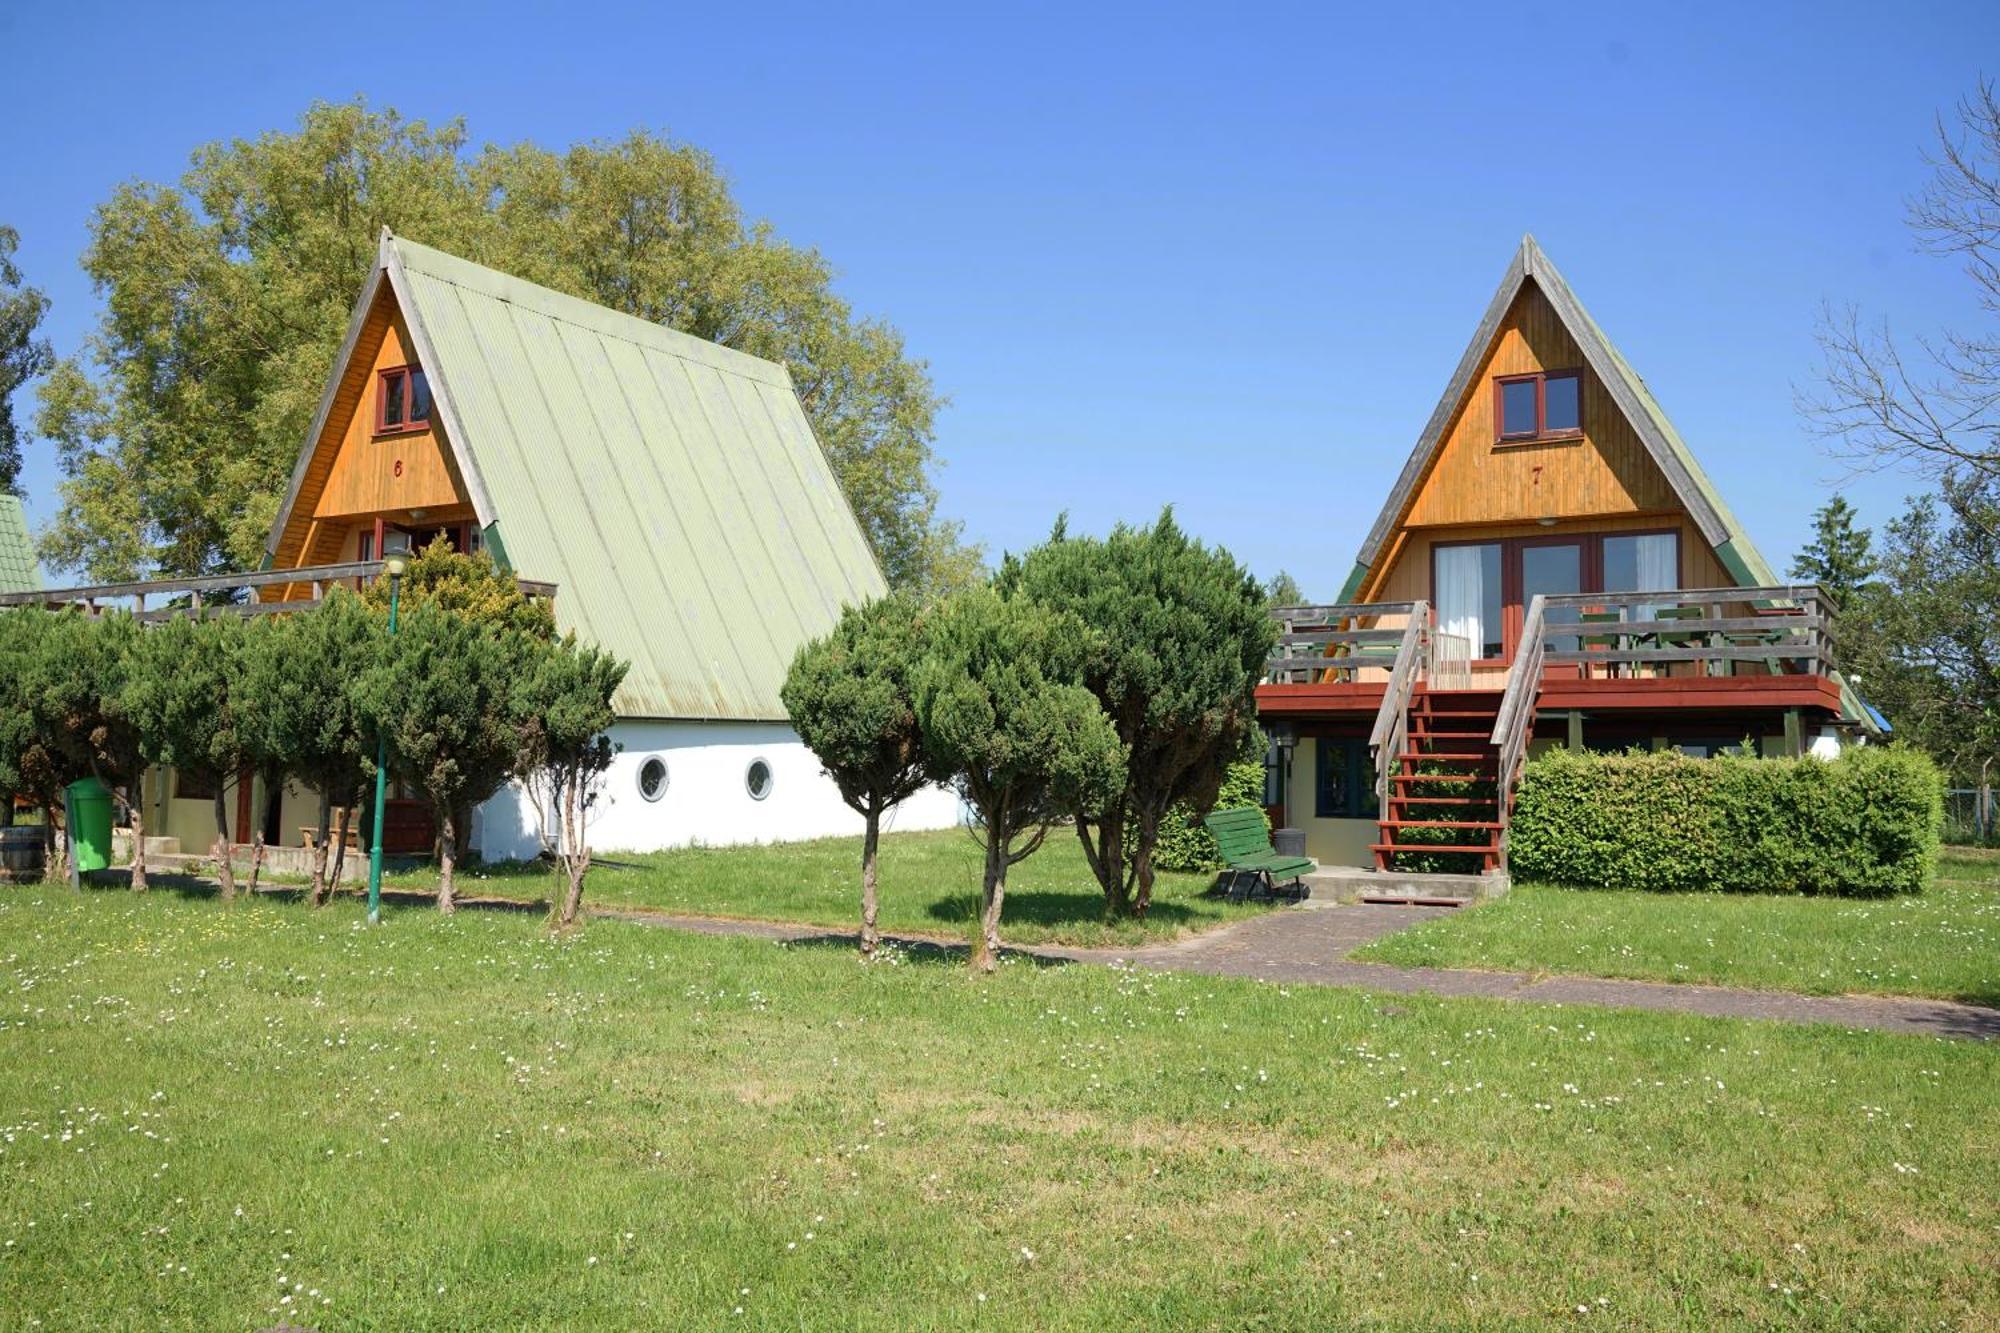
(394, 569)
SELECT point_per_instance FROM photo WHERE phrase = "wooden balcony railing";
(196, 590)
(1786, 630)
(1340, 641)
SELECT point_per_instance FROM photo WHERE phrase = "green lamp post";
(393, 567)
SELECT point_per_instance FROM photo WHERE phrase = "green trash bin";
(88, 802)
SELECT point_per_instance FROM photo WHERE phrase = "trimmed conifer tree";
(1002, 708)
(1184, 637)
(563, 700)
(849, 696)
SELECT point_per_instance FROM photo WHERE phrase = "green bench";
(1247, 852)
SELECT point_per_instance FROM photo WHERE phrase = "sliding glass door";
(1481, 590)
(1547, 569)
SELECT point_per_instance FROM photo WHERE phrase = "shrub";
(1866, 823)
(1184, 843)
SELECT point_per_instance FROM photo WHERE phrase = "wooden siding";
(1607, 471)
(1408, 576)
(354, 476)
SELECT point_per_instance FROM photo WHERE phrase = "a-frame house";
(1552, 567)
(667, 493)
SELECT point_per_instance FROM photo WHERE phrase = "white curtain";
(1460, 594)
(1659, 567)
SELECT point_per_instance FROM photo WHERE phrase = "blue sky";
(1219, 258)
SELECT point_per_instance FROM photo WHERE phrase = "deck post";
(1576, 730)
(1795, 744)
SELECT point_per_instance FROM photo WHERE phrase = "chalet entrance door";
(1545, 568)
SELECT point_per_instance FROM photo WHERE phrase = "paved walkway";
(1312, 944)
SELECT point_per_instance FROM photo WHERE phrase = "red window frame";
(396, 380)
(1541, 434)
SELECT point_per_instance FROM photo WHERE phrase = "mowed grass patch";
(1944, 942)
(224, 1117)
(929, 886)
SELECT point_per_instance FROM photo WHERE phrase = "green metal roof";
(671, 487)
(1738, 554)
(18, 570)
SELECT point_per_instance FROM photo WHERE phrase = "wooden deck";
(247, 592)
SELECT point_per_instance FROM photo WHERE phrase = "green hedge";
(1184, 844)
(1866, 823)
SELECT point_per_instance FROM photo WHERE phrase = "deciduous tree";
(23, 354)
(227, 295)
(850, 698)
(1002, 707)
(1934, 408)
(1183, 635)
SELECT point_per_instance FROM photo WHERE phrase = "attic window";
(1544, 406)
(402, 401)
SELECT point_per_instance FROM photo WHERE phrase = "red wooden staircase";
(1443, 809)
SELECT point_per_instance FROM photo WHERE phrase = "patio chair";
(1247, 853)
(1680, 638)
(1608, 642)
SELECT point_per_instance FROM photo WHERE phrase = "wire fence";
(1971, 815)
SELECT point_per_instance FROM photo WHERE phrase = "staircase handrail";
(1514, 725)
(1392, 719)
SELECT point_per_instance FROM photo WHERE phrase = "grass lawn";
(929, 886)
(218, 1118)
(1944, 942)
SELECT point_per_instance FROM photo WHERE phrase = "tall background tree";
(1934, 408)
(849, 695)
(227, 294)
(1840, 557)
(23, 354)
(1184, 637)
(1925, 644)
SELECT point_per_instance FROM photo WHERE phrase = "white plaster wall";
(707, 800)
(1331, 842)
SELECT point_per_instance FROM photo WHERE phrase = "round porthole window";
(653, 778)
(757, 780)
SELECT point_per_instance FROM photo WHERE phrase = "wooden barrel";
(21, 851)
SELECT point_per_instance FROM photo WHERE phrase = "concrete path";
(1311, 945)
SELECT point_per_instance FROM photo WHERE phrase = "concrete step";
(1332, 885)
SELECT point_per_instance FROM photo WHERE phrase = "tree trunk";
(986, 947)
(224, 872)
(55, 852)
(871, 839)
(1142, 859)
(256, 858)
(575, 856)
(340, 848)
(447, 854)
(1107, 858)
(318, 894)
(138, 842)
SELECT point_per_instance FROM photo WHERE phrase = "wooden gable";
(350, 474)
(1605, 471)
